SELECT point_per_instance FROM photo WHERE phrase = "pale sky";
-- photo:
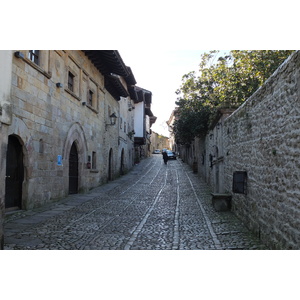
(160, 71)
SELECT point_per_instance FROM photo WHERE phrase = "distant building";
(170, 123)
(159, 142)
(143, 120)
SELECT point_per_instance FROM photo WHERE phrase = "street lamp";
(113, 119)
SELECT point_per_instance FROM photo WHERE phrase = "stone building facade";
(173, 146)
(159, 141)
(66, 125)
(262, 139)
(208, 153)
(125, 124)
(143, 120)
(253, 154)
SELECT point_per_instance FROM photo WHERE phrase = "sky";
(159, 40)
(160, 71)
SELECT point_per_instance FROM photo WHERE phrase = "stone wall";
(48, 119)
(159, 142)
(125, 123)
(262, 139)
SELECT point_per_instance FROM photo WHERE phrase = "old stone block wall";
(262, 138)
(210, 154)
(159, 142)
(125, 124)
(47, 120)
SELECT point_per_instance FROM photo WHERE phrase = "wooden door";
(73, 170)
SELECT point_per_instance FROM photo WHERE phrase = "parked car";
(171, 155)
(156, 151)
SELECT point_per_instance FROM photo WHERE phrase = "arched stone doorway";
(14, 174)
(73, 170)
(75, 137)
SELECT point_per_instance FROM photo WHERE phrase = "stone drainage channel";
(153, 207)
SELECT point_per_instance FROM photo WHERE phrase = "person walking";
(165, 157)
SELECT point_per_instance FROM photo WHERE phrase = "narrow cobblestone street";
(153, 207)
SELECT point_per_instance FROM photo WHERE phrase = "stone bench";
(221, 202)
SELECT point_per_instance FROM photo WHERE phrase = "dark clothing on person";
(165, 157)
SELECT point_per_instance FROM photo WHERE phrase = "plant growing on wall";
(223, 82)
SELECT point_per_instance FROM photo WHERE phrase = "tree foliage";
(223, 82)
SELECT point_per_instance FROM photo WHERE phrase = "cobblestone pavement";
(155, 206)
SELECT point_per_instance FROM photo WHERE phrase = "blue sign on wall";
(59, 160)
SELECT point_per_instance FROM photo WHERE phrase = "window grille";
(71, 82)
(90, 99)
(94, 160)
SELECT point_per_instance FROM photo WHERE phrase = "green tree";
(223, 82)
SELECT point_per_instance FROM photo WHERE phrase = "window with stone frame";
(94, 161)
(92, 95)
(34, 56)
(39, 60)
(71, 77)
(90, 98)
(239, 184)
